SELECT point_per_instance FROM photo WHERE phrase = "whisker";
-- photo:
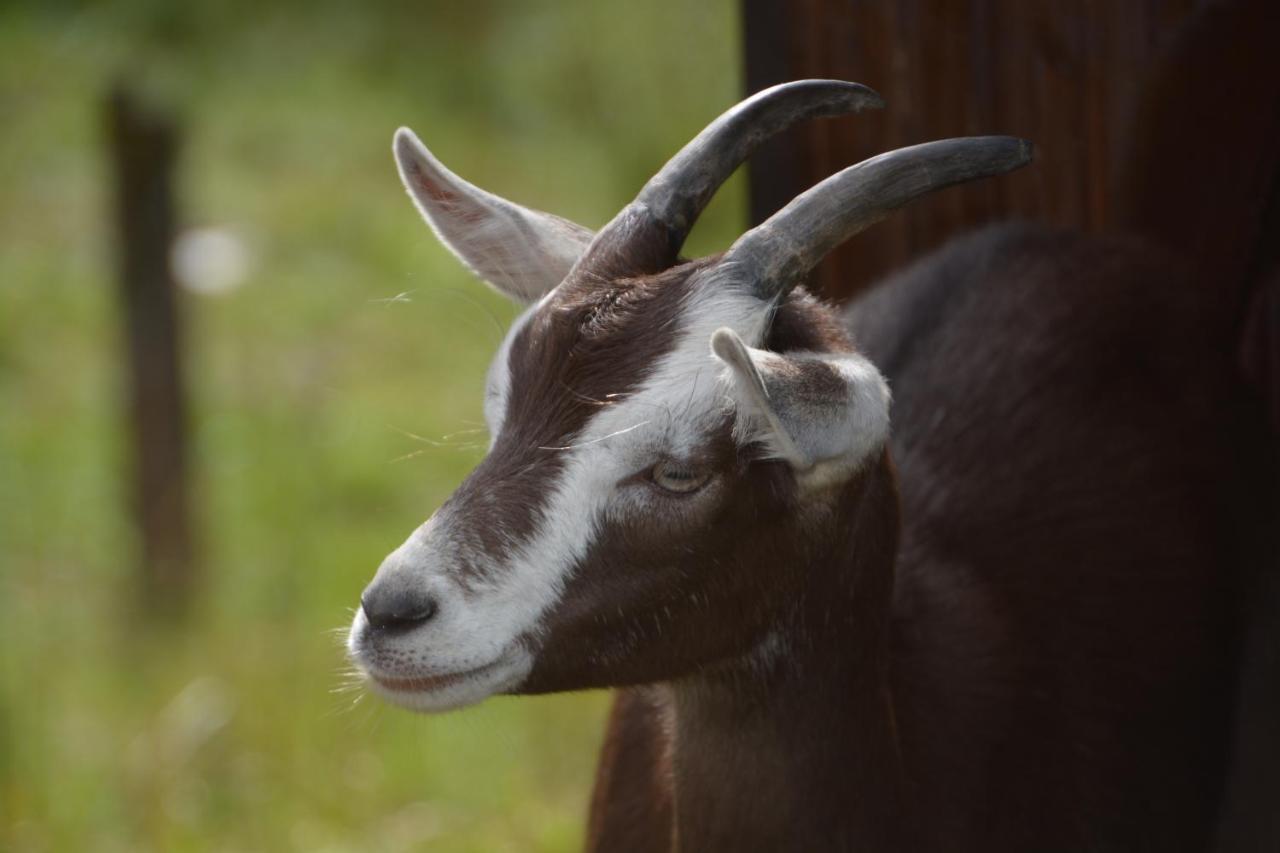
(416, 437)
(445, 442)
(693, 392)
(399, 297)
(578, 395)
(472, 431)
(343, 707)
(596, 440)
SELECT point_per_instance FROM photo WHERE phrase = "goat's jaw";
(447, 691)
(432, 689)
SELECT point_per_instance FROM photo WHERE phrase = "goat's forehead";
(644, 342)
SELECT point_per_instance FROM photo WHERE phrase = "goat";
(689, 496)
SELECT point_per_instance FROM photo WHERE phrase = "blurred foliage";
(328, 417)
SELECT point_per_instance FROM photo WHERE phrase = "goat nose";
(394, 608)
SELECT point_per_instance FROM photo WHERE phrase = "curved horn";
(774, 256)
(647, 235)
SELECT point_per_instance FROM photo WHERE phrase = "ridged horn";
(646, 236)
(776, 255)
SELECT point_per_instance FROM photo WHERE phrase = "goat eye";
(677, 478)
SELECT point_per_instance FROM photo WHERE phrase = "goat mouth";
(428, 683)
(432, 692)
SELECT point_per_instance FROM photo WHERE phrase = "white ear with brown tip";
(824, 414)
(523, 253)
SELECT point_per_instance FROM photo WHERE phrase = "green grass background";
(225, 732)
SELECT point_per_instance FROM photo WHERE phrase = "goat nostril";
(389, 613)
(428, 609)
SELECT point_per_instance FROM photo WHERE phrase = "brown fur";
(1043, 665)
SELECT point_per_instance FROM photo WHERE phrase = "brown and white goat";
(689, 496)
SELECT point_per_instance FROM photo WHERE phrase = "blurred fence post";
(143, 146)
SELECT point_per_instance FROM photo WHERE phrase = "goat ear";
(521, 252)
(824, 414)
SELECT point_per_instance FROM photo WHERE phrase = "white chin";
(445, 693)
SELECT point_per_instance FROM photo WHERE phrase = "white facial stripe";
(682, 395)
(497, 384)
(670, 412)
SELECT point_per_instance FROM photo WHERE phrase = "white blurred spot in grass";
(211, 261)
(201, 709)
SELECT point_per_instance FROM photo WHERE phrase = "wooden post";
(1063, 74)
(143, 146)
